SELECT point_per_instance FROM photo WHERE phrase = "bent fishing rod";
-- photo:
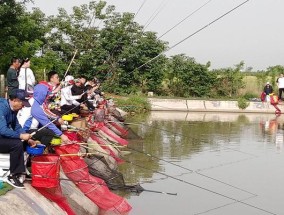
(191, 35)
(198, 186)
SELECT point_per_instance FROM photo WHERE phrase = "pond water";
(216, 163)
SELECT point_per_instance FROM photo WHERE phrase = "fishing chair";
(5, 166)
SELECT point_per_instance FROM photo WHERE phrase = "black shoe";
(14, 181)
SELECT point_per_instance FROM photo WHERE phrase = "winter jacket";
(40, 93)
(9, 124)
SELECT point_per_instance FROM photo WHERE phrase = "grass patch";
(5, 189)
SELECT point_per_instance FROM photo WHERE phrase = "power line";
(185, 18)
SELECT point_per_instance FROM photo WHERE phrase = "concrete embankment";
(209, 106)
(30, 202)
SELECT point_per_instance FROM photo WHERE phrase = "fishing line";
(190, 170)
(192, 138)
(202, 188)
(185, 19)
(199, 30)
(222, 206)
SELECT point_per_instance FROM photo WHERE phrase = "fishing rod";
(155, 14)
(70, 63)
(202, 188)
(140, 8)
(185, 18)
(190, 170)
(100, 184)
(199, 30)
(179, 134)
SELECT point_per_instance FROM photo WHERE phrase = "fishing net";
(76, 169)
(114, 179)
(110, 150)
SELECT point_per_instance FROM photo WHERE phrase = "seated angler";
(12, 135)
(40, 93)
(79, 89)
(68, 101)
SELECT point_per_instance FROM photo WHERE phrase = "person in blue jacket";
(41, 92)
(12, 135)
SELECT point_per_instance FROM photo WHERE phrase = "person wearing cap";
(268, 89)
(12, 134)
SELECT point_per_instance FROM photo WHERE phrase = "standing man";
(12, 134)
(12, 76)
(280, 84)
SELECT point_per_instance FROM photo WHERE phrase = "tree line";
(112, 47)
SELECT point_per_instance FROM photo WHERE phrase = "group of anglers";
(34, 114)
(269, 96)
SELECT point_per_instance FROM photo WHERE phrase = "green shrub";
(243, 103)
(248, 96)
(137, 104)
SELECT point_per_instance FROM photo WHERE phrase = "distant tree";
(21, 32)
(230, 81)
(188, 78)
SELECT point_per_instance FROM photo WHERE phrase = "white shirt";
(22, 79)
(281, 82)
(67, 98)
(25, 114)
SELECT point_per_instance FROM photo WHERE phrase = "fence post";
(2, 85)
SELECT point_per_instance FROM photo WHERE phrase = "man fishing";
(12, 134)
(41, 92)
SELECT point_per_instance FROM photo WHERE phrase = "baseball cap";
(23, 96)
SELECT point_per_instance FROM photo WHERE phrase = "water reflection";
(227, 146)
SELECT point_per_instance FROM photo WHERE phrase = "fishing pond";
(206, 163)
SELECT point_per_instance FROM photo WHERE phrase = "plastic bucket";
(45, 171)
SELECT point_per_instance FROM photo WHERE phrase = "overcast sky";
(253, 33)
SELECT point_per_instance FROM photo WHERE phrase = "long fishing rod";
(97, 183)
(200, 187)
(182, 167)
(140, 8)
(185, 18)
(155, 14)
(199, 30)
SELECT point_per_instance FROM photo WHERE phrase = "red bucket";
(45, 171)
